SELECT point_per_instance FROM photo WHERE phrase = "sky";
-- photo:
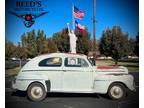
(109, 13)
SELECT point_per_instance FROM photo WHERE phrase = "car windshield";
(91, 60)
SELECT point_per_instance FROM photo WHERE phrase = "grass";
(12, 72)
(133, 66)
(104, 62)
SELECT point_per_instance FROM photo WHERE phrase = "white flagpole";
(73, 20)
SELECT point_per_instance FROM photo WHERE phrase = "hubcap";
(36, 92)
(116, 92)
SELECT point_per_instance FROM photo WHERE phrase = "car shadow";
(72, 95)
(60, 95)
(103, 97)
(19, 93)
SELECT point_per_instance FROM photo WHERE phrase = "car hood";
(111, 69)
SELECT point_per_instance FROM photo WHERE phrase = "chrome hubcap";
(116, 92)
(36, 92)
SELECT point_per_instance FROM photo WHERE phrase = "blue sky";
(123, 13)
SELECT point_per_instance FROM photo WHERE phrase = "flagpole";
(73, 20)
(94, 29)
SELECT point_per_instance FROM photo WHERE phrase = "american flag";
(78, 13)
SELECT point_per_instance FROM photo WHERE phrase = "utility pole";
(94, 30)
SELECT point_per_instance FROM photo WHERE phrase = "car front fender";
(102, 82)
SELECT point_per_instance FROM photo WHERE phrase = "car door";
(77, 75)
(52, 68)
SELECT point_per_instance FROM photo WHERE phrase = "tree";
(41, 42)
(24, 40)
(132, 46)
(20, 52)
(34, 43)
(9, 50)
(114, 43)
(31, 44)
(119, 46)
(136, 48)
(83, 41)
(61, 39)
(105, 43)
(52, 46)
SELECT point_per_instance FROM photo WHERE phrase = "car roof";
(33, 63)
(61, 55)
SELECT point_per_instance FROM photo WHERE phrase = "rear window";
(51, 62)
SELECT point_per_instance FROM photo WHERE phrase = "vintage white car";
(71, 73)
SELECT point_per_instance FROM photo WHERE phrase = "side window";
(75, 62)
(53, 61)
(84, 63)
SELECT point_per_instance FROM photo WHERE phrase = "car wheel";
(117, 91)
(36, 92)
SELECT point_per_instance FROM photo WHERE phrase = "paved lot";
(64, 100)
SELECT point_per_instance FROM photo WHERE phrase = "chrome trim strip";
(55, 70)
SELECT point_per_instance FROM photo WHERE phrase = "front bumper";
(14, 84)
(134, 85)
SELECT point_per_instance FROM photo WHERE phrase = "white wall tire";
(36, 92)
(117, 91)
